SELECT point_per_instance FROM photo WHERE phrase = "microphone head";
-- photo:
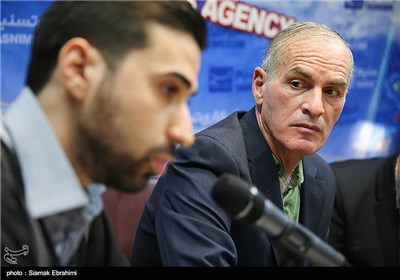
(233, 194)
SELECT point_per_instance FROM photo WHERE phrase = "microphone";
(245, 203)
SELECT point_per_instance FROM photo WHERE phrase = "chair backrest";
(125, 211)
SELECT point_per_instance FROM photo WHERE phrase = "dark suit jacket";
(182, 226)
(365, 222)
(18, 228)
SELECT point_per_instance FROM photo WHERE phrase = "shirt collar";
(297, 174)
(51, 185)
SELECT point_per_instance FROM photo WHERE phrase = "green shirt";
(291, 196)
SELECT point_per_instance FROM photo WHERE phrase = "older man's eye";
(333, 92)
(296, 84)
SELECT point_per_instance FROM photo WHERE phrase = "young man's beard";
(97, 145)
(103, 164)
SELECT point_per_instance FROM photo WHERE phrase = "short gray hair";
(272, 60)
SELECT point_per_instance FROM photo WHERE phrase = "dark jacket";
(365, 222)
(100, 248)
(182, 225)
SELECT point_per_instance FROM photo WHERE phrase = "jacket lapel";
(261, 164)
(312, 195)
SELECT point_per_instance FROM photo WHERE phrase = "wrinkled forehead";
(320, 49)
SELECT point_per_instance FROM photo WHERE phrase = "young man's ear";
(77, 59)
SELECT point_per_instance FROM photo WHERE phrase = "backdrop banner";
(238, 34)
